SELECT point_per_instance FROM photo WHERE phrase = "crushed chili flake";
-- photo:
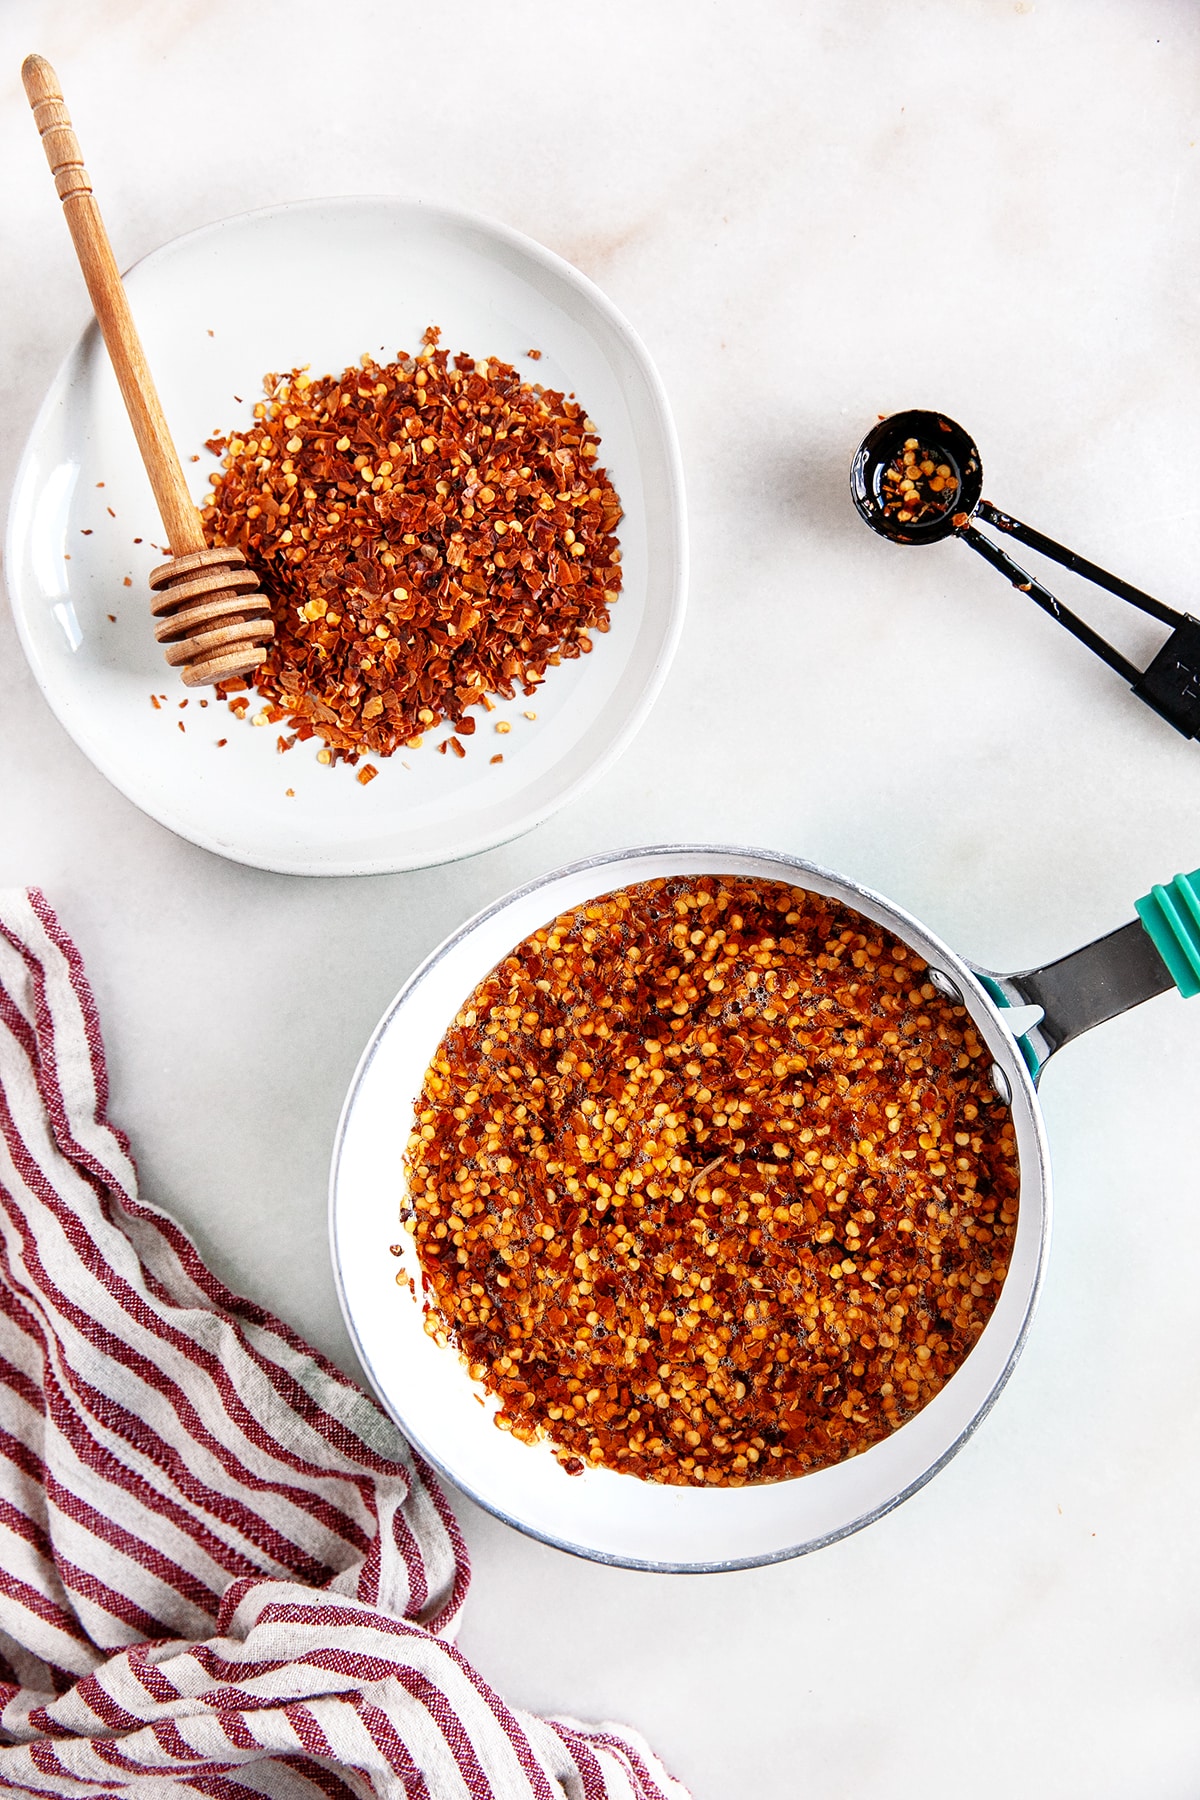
(128, 582)
(289, 793)
(709, 1184)
(534, 355)
(918, 484)
(155, 703)
(111, 617)
(496, 759)
(429, 531)
(367, 773)
(110, 512)
(221, 743)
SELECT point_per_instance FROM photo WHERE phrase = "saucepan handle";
(1160, 949)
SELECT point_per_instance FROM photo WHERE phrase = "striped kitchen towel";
(221, 1566)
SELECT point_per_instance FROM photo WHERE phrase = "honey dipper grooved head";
(213, 617)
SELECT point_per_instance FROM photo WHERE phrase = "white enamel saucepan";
(619, 1518)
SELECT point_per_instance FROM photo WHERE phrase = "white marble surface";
(813, 212)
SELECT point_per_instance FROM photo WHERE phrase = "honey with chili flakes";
(428, 532)
(918, 484)
(709, 1184)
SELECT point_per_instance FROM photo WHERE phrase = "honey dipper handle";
(179, 515)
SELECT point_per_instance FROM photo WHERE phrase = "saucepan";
(1023, 1018)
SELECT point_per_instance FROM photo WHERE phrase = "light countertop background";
(813, 212)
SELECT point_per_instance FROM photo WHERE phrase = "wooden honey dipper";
(214, 618)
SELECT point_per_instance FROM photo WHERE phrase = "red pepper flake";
(193, 459)
(153, 698)
(289, 792)
(111, 617)
(367, 773)
(110, 512)
(210, 334)
(457, 747)
(221, 743)
(769, 1202)
(128, 581)
(137, 540)
(182, 704)
(495, 759)
(99, 484)
(204, 703)
(181, 724)
(85, 531)
(534, 355)
(429, 532)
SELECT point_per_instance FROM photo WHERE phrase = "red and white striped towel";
(221, 1567)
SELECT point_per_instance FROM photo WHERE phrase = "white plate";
(320, 282)
(600, 1513)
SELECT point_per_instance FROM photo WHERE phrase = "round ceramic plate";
(601, 1513)
(319, 283)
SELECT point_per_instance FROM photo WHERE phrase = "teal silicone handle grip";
(1172, 917)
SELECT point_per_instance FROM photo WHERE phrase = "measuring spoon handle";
(1080, 565)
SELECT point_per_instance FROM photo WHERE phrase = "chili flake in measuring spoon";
(917, 484)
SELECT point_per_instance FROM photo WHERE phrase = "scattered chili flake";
(137, 540)
(367, 773)
(534, 355)
(181, 725)
(110, 512)
(289, 793)
(99, 484)
(709, 1184)
(85, 531)
(128, 582)
(917, 484)
(193, 459)
(496, 759)
(429, 531)
(210, 334)
(221, 743)
(456, 747)
(154, 701)
(111, 617)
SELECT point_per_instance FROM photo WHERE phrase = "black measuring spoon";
(917, 478)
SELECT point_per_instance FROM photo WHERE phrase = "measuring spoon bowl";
(879, 469)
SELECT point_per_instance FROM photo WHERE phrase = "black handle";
(1171, 683)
